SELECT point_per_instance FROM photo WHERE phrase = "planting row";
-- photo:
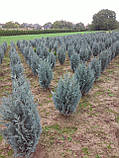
(94, 54)
(3, 49)
(18, 112)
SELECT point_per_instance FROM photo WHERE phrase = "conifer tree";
(67, 95)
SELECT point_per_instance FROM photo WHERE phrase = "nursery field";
(8, 39)
(91, 132)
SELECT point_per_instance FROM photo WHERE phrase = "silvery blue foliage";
(14, 58)
(21, 119)
(35, 62)
(29, 56)
(104, 58)
(1, 54)
(116, 47)
(113, 50)
(26, 53)
(38, 50)
(44, 53)
(101, 46)
(70, 51)
(4, 46)
(85, 52)
(15, 63)
(12, 44)
(3, 49)
(55, 46)
(61, 55)
(51, 59)
(17, 70)
(108, 42)
(74, 60)
(67, 95)
(85, 78)
(95, 65)
(32, 58)
(95, 49)
(45, 74)
(18, 43)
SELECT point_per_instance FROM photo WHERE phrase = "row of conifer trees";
(18, 111)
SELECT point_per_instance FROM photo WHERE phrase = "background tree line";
(103, 20)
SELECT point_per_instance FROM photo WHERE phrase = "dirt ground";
(91, 132)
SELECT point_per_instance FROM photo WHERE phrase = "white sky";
(42, 11)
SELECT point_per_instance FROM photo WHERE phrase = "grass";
(1, 138)
(8, 39)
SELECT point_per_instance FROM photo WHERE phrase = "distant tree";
(11, 24)
(48, 25)
(63, 25)
(104, 20)
(80, 26)
(90, 27)
(17, 24)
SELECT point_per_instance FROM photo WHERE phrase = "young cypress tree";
(3, 49)
(1, 54)
(35, 62)
(51, 59)
(44, 53)
(67, 95)
(116, 47)
(21, 119)
(103, 57)
(85, 52)
(14, 58)
(95, 65)
(84, 77)
(4, 46)
(95, 49)
(45, 74)
(70, 51)
(74, 60)
(61, 55)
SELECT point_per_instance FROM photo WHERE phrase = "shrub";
(95, 49)
(95, 65)
(3, 49)
(35, 62)
(103, 57)
(21, 119)
(85, 53)
(38, 50)
(61, 55)
(51, 59)
(43, 54)
(45, 74)
(108, 42)
(17, 71)
(70, 51)
(26, 53)
(14, 58)
(75, 60)
(4, 46)
(29, 56)
(1, 54)
(116, 46)
(67, 95)
(85, 78)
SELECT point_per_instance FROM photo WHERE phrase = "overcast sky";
(42, 11)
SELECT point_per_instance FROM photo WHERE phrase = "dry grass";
(91, 132)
